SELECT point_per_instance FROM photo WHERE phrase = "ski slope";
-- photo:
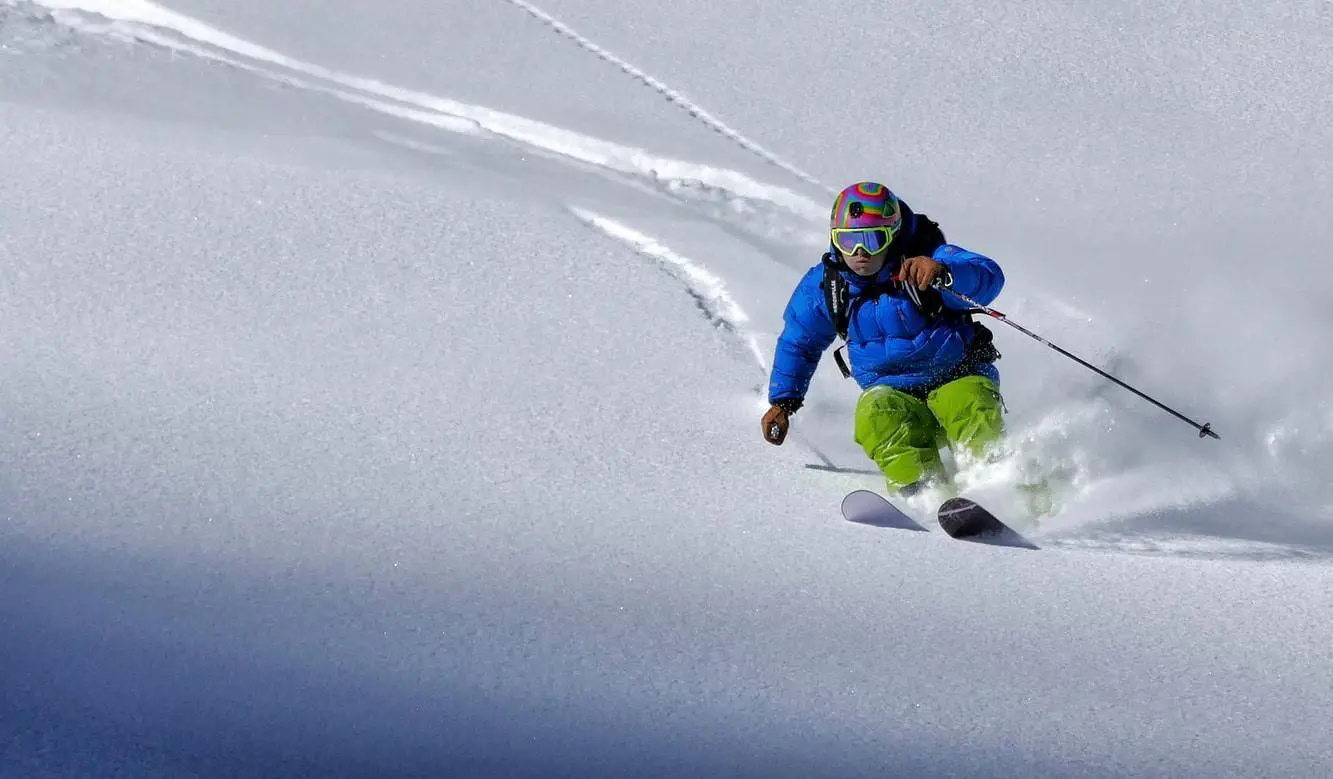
(382, 386)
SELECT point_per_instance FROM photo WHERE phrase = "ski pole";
(1205, 430)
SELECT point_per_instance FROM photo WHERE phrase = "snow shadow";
(120, 667)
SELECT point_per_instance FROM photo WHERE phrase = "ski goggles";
(872, 239)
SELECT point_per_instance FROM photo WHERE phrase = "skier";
(926, 370)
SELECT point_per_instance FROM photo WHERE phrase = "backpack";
(925, 238)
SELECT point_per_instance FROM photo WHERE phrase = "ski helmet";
(866, 204)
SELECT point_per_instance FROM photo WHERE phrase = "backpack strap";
(835, 297)
(835, 300)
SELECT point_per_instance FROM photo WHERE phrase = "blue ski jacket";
(890, 341)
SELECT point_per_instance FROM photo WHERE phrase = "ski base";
(963, 518)
(870, 508)
(967, 520)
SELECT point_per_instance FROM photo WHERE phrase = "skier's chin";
(864, 265)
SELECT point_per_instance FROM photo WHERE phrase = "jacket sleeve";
(807, 331)
(974, 275)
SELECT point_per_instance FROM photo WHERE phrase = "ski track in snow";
(708, 290)
(144, 22)
(671, 95)
(717, 194)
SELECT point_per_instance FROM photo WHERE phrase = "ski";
(870, 508)
(963, 518)
(968, 520)
(960, 518)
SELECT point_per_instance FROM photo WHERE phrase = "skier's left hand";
(919, 271)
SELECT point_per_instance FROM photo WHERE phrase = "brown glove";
(775, 426)
(776, 420)
(921, 271)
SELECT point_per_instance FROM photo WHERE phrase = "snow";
(382, 389)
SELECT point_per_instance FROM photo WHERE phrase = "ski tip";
(963, 518)
(860, 494)
(955, 506)
(867, 507)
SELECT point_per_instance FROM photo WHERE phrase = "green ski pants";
(903, 434)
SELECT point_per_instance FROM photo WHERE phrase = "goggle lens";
(872, 239)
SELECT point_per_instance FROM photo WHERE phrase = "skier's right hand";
(777, 419)
(775, 425)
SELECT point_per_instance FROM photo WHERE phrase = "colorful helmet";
(866, 204)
